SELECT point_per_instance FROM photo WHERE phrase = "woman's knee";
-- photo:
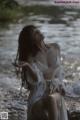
(52, 107)
(50, 101)
(54, 97)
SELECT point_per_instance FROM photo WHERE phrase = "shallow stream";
(64, 30)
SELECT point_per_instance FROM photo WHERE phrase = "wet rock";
(57, 21)
(76, 88)
(75, 115)
(73, 107)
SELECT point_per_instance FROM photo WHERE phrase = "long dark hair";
(26, 46)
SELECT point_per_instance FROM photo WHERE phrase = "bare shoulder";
(53, 54)
(53, 45)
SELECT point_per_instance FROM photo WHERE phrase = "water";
(73, 3)
(65, 32)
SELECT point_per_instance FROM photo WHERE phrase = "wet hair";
(27, 47)
(26, 43)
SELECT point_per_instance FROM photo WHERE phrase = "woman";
(41, 74)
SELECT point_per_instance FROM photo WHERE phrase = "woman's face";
(38, 38)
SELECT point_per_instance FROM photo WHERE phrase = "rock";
(75, 115)
(76, 88)
(73, 107)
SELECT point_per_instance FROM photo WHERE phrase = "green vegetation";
(47, 10)
(9, 11)
(43, 10)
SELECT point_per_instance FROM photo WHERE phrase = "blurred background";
(58, 23)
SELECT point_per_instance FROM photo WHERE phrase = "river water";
(65, 31)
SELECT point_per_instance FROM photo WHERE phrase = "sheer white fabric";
(39, 64)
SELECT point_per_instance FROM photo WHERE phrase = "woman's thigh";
(56, 107)
(52, 99)
(37, 111)
(45, 107)
(51, 104)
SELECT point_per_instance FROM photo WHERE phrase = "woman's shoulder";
(53, 46)
(53, 49)
(53, 54)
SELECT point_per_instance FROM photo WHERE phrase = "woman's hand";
(21, 64)
(28, 68)
(48, 74)
(62, 90)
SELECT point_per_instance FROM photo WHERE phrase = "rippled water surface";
(63, 29)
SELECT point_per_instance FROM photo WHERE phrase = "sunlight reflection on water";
(66, 34)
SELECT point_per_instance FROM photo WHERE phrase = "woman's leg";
(52, 106)
(37, 111)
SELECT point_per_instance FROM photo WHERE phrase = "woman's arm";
(53, 60)
(55, 70)
(32, 72)
(29, 68)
